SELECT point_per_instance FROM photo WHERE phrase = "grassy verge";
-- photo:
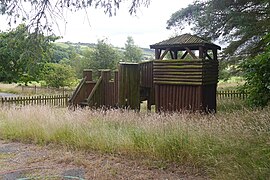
(232, 84)
(8, 88)
(228, 145)
(32, 89)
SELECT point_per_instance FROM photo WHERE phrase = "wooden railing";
(95, 96)
(55, 100)
(104, 93)
(78, 90)
(233, 94)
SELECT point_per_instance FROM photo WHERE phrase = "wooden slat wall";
(83, 89)
(105, 92)
(185, 85)
(192, 72)
(178, 97)
(129, 85)
(209, 97)
(146, 74)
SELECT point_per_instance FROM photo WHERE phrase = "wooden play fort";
(185, 81)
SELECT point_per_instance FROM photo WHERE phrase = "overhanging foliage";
(241, 23)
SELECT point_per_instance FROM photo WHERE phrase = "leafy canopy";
(257, 75)
(104, 56)
(22, 54)
(241, 23)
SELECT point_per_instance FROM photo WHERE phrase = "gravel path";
(26, 161)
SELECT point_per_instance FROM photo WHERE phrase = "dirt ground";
(26, 161)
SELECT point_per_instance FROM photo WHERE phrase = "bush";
(58, 75)
(257, 75)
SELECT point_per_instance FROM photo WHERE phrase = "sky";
(147, 27)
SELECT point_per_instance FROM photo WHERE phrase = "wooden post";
(129, 86)
(106, 76)
(175, 54)
(164, 53)
(215, 54)
(172, 55)
(88, 74)
(116, 86)
(157, 53)
(201, 53)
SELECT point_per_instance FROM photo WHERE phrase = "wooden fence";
(233, 94)
(62, 100)
(55, 100)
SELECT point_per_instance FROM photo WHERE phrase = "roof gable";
(185, 40)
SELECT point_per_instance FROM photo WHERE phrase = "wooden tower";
(188, 79)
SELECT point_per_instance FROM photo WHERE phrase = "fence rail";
(232, 94)
(55, 100)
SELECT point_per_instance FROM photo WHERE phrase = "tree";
(257, 75)
(241, 23)
(104, 56)
(58, 75)
(42, 13)
(132, 52)
(22, 54)
(79, 61)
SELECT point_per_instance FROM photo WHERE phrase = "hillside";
(147, 53)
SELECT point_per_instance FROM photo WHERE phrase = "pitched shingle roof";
(185, 40)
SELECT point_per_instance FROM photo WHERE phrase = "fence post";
(88, 74)
(66, 100)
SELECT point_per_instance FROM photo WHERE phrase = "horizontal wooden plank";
(178, 79)
(180, 76)
(176, 73)
(180, 67)
(198, 66)
(203, 77)
(186, 73)
(177, 83)
(178, 64)
(186, 61)
(185, 83)
(185, 79)
(177, 70)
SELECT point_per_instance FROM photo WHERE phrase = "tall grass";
(226, 145)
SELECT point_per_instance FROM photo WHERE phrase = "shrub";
(58, 75)
(257, 75)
